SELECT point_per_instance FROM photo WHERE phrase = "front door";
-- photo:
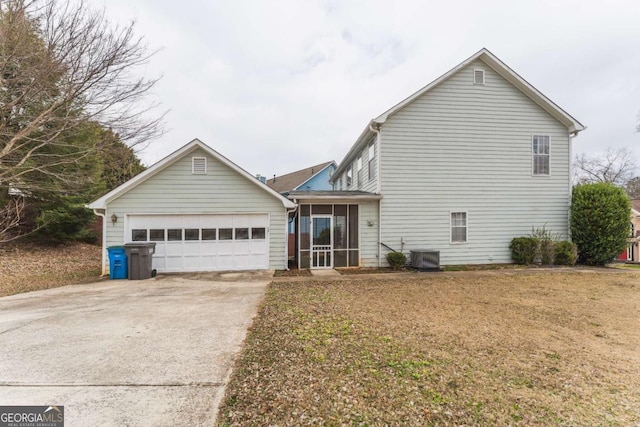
(322, 241)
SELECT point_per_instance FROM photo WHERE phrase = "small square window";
(174, 234)
(156, 235)
(242, 233)
(225, 234)
(138, 235)
(199, 165)
(258, 233)
(192, 234)
(208, 234)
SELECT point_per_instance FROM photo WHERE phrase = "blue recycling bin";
(117, 262)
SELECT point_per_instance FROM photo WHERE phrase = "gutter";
(104, 237)
(286, 234)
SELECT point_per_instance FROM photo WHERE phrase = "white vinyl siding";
(461, 143)
(540, 150)
(175, 190)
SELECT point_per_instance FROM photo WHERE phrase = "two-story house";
(475, 158)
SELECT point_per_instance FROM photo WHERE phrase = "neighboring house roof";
(330, 194)
(195, 144)
(573, 125)
(635, 205)
(293, 180)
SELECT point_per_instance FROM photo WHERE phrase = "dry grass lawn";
(484, 348)
(30, 267)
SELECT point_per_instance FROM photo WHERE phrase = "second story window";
(540, 150)
(372, 163)
(349, 176)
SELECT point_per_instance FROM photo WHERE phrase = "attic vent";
(425, 259)
(199, 165)
(478, 77)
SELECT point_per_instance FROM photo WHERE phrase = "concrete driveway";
(154, 352)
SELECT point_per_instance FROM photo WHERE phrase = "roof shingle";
(287, 182)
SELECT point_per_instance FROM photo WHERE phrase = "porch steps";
(324, 272)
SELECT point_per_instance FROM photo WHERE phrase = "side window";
(372, 158)
(458, 227)
(540, 150)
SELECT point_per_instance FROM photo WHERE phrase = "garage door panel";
(173, 249)
(241, 253)
(192, 263)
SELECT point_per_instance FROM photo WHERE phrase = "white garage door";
(203, 242)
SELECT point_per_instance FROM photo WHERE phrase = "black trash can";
(139, 257)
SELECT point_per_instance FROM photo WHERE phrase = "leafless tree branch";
(616, 166)
(62, 65)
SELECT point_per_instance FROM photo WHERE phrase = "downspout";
(571, 135)
(104, 238)
(286, 234)
(375, 127)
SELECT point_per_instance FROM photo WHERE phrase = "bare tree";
(63, 65)
(616, 166)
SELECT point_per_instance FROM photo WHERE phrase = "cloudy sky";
(280, 85)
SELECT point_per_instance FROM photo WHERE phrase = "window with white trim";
(359, 170)
(540, 150)
(349, 176)
(199, 165)
(478, 76)
(372, 158)
(458, 227)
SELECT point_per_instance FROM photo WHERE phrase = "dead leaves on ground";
(442, 350)
(30, 267)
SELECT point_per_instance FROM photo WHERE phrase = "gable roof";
(195, 144)
(573, 125)
(293, 180)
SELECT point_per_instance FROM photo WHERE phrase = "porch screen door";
(322, 241)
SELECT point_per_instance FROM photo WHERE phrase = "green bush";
(523, 250)
(566, 253)
(600, 222)
(545, 252)
(396, 260)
